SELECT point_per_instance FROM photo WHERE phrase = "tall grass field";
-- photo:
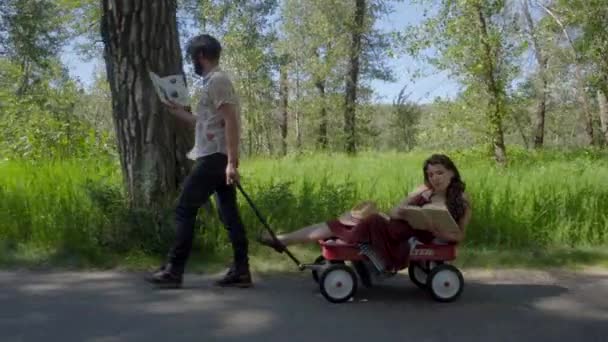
(75, 209)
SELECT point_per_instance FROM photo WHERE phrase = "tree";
(318, 37)
(284, 104)
(589, 46)
(472, 41)
(603, 106)
(578, 63)
(350, 96)
(138, 37)
(38, 99)
(406, 115)
(541, 59)
(312, 35)
(247, 35)
(32, 34)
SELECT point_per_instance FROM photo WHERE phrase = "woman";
(389, 236)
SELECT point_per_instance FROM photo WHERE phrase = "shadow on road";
(121, 307)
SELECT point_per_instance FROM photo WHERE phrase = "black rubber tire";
(411, 269)
(335, 268)
(320, 260)
(431, 284)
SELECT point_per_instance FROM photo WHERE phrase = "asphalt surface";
(512, 305)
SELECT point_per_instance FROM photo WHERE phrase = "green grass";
(72, 213)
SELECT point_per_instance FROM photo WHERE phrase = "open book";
(425, 217)
(171, 88)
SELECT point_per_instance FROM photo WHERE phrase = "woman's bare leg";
(311, 233)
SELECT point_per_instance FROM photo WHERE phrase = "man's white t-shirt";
(210, 135)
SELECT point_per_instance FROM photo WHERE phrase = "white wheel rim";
(419, 274)
(338, 284)
(445, 284)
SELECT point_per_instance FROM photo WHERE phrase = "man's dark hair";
(206, 45)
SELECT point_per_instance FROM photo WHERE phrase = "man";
(216, 151)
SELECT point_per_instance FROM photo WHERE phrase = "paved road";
(114, 306)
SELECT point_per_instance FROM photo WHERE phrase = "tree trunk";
(297, 110)
(603, 104)
(580, 83)
(539, 120)
(25, 78)
(284, 98)
(322, 139)
(522, 132)
(352, 78)
(268, 129)
(141, 36)
(588, 116)
(496, 106)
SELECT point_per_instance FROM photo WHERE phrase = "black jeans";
(207, 177)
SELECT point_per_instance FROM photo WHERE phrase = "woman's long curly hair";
(454, 194)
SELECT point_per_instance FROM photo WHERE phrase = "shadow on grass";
(539, 258)
(37, 258)
(264, 260)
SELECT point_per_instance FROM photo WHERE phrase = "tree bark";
(496, 105)
(522, 132)
(587, 115)
(353, 77)
(284, 98)
(141, 36)
(322, 139)
(541, 59)
(603, 104)
(297, 110)
(539, 119)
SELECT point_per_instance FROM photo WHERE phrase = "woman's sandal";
(272, 243)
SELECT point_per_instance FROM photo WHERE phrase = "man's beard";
(198, 68)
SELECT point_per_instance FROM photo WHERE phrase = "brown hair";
(454, 194)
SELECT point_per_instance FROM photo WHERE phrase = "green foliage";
(247, 35)
(32, 31)
(77, 207)
(42, 123)
(405, 122)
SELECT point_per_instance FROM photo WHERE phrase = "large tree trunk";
(353, 77)
(284, 98)
(603, 104)
(141, 36)
(496, 104)
(322, 139)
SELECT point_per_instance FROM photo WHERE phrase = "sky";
(423, 90)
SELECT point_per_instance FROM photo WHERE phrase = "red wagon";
(341, 266)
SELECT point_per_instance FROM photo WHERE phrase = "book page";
(415, 216)
(175, 89)
(441, 219)
(156, 82)
(171, 88)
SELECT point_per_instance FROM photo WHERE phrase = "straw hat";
(358, 213)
